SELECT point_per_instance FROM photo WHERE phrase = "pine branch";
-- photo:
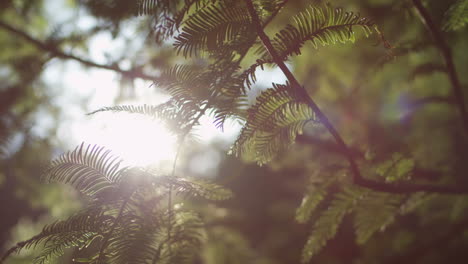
(67, 56)
(358, 179)
(446, 53)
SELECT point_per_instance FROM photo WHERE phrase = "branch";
(418, 103)
(326, 145)
(345, 150)
(447, 55)
(67, 56)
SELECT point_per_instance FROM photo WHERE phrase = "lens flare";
(139, 140)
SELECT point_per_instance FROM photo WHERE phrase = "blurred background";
(62, 59)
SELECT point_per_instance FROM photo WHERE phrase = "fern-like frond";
(330, 220)
(89, 169)
(414, 201)
(456, 16)
(194, 187)
(272, 123)
(155, 7)
(56, 247)
(182, 81)
(321, 25)
(200, 188)
(133, 240)
(186, 238)
(226, 107)
(309, 202)
(374, 213)
(177, 115)
(249, 76)
(78, 230)
(153, 111)
(397, 168)
(209, 28)
(147, 7)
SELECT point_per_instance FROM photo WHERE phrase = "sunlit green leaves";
(320, 25)
(203, 189)
(132, 224)
(89, 169)
(211, 27)
(398, 167)
(326, 226)
(456, 16)
(273, 123)
(374, 214)
(76, 231)
(309, 202)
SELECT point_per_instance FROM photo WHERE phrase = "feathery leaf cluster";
(125, 216)
(272, 123)
(321, 25)
(456, 16)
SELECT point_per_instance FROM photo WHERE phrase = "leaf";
(177, 115)
(310, 201)
(196, 188)
(273, 123)
(56, 247)
(327, 224)
(374, 213)
(76, 231)
(184, 82)
(396, 169)
(132, 241)
(211, 27)
(320, 25)
(456, 16)
(89, 169)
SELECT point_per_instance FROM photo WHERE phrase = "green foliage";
(375, 213)
(77, 231)
(131, 217)
(396, 168)
(89, 169)
(200, 188)
(211, 28)
(321, 25)
(326, 226)
(309, 202)
(456, 16)
(176, 117)
(126, 212)
(272, 123)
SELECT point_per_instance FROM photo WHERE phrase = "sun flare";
(139, 140)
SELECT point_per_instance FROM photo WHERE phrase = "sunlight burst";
(139, 140)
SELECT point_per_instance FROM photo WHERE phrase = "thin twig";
(68, 56)
(446, 53)
(356, 174)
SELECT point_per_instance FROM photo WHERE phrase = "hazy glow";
(137, 139)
